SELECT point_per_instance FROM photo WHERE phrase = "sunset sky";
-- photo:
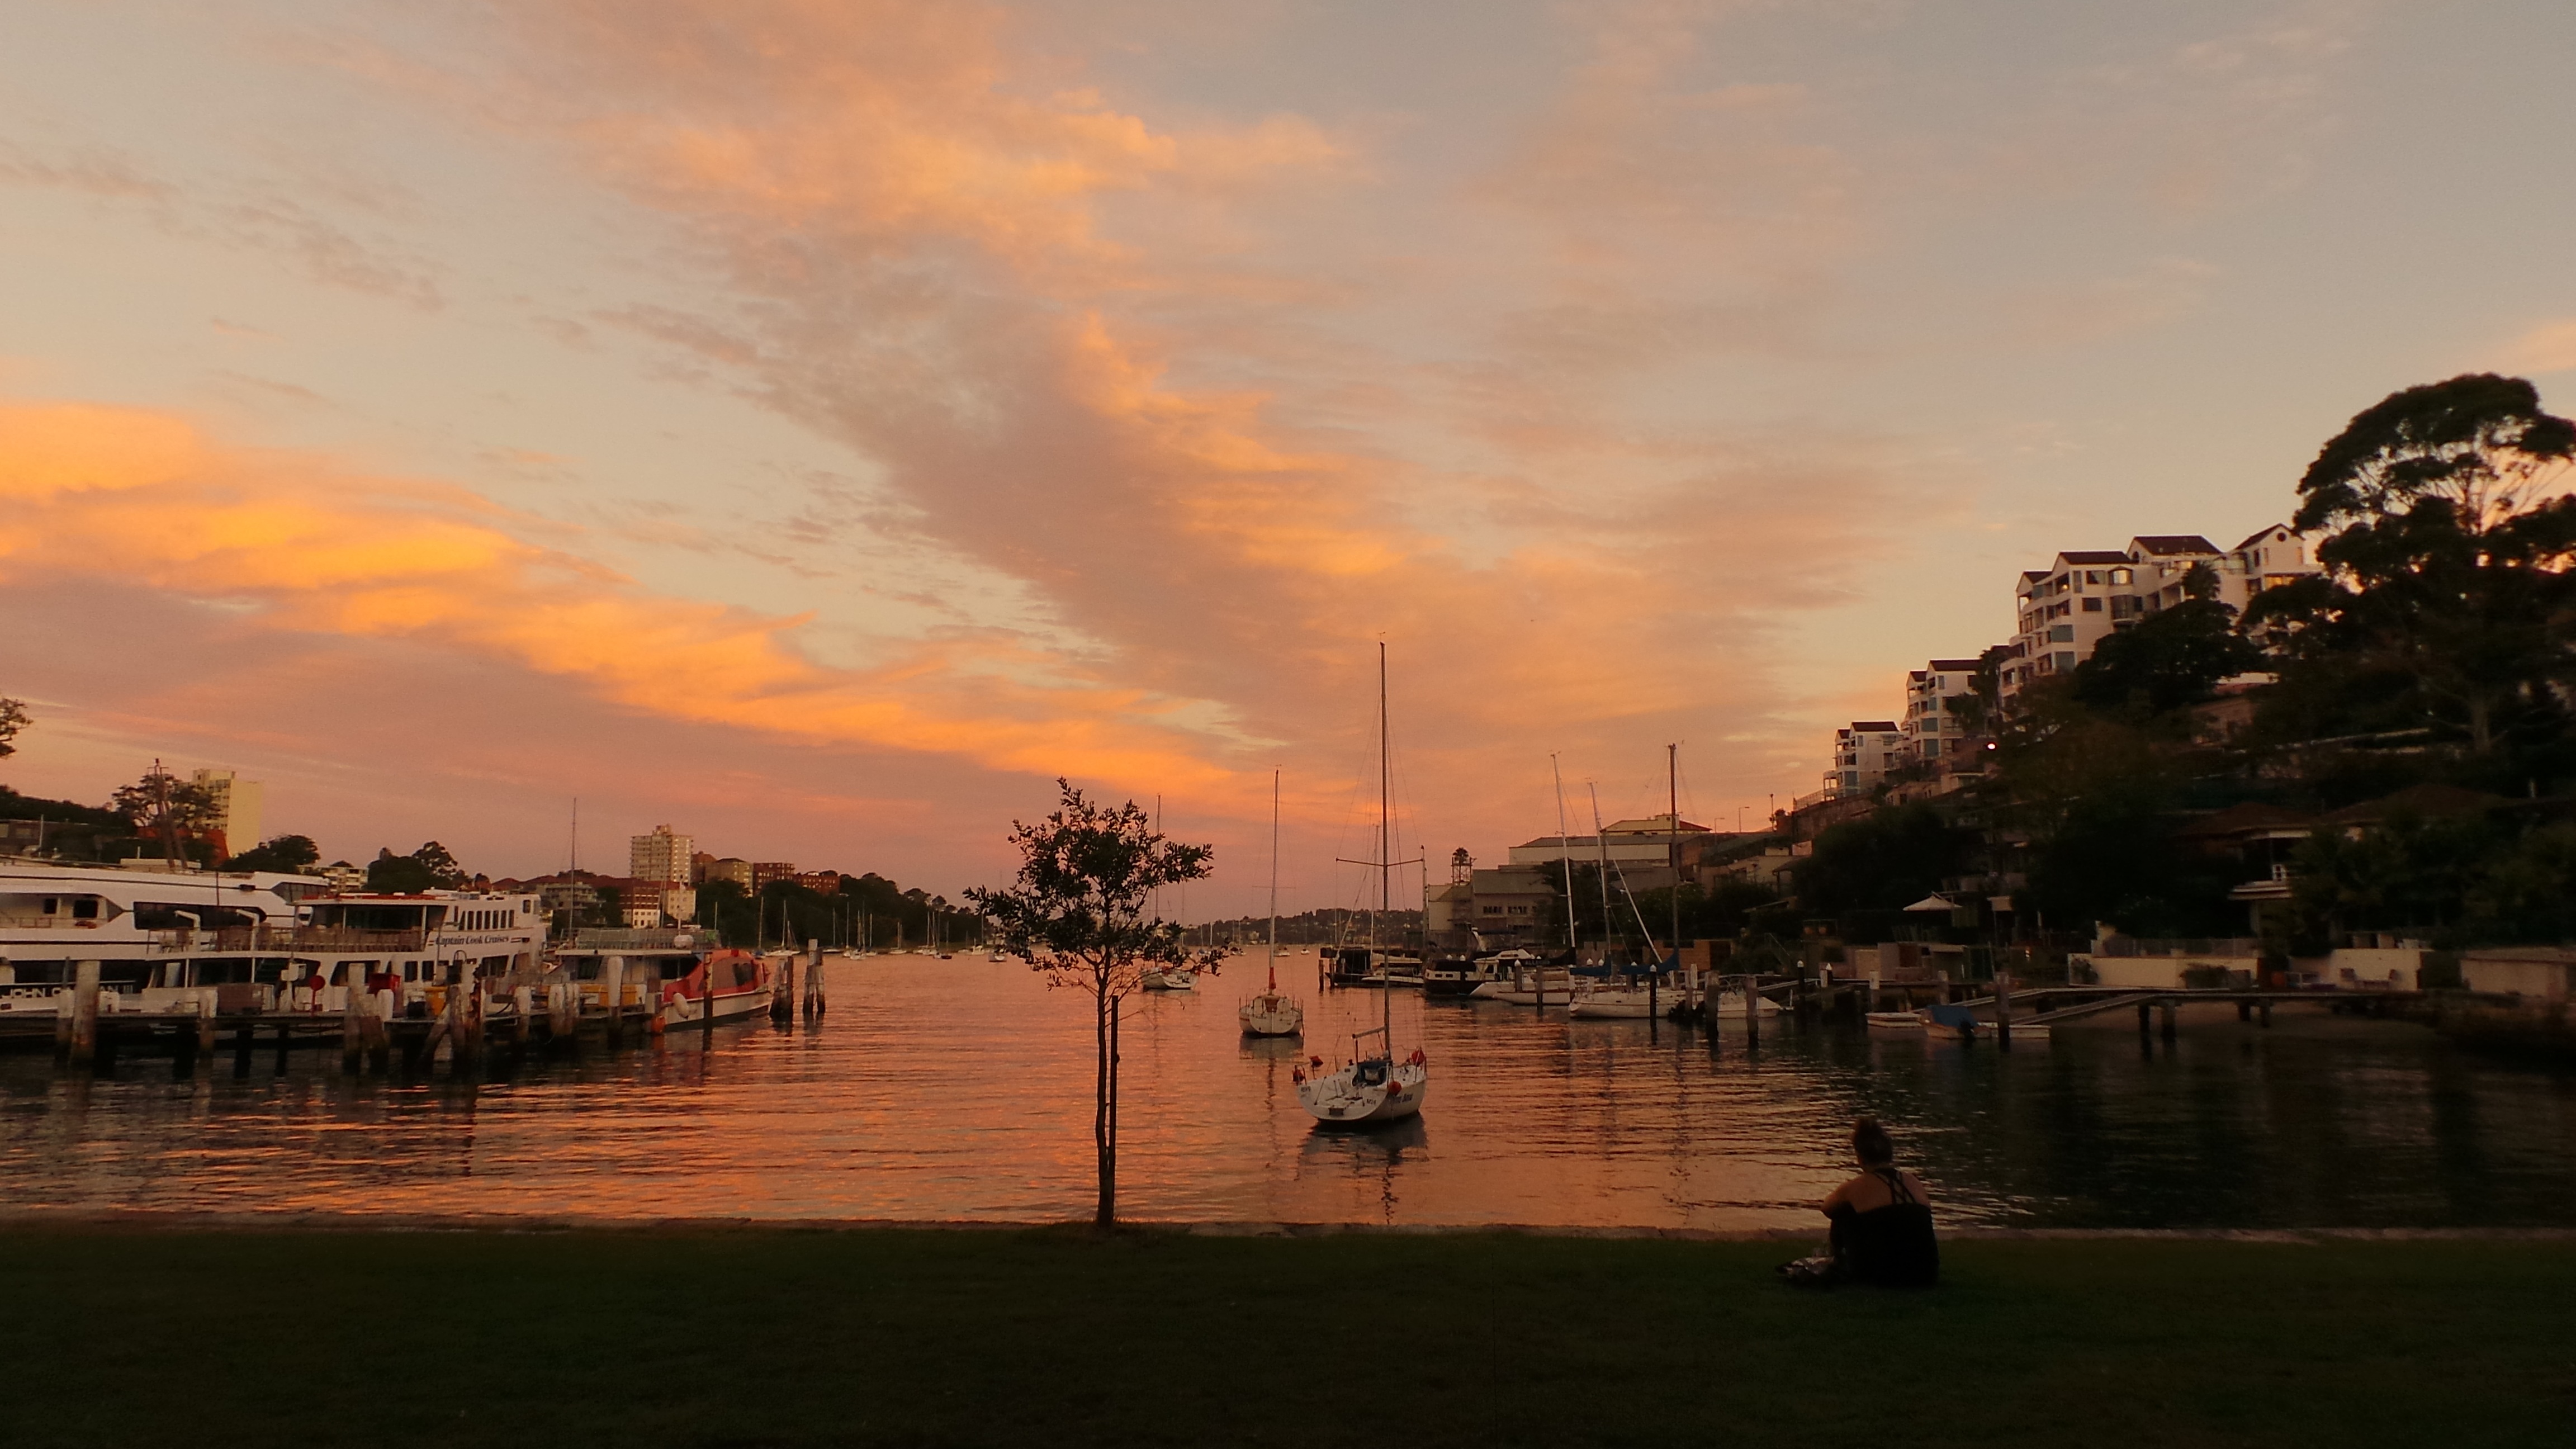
(818, 425)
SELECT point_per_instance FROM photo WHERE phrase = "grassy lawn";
(1050, 1338)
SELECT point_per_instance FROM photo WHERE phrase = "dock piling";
(84, 1016)
(2003, 1009)
(2165, 1027)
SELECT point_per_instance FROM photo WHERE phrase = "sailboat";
(1374, 1087)
(1271, 1013)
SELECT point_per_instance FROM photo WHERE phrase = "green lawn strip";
(1051, 1337)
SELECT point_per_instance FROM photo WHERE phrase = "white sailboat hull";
(1343, 1099)
(1272, 1015)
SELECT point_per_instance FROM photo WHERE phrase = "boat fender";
(1297, 1075)
(1417, 1058)
(1315, 1061)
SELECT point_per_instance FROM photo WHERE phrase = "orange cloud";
(147, 498)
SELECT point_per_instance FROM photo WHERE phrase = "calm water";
(962, 1090)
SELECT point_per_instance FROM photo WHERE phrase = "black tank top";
(1893, 1246)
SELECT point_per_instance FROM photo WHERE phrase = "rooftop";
(2171, 543)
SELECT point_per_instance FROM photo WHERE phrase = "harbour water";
(961, 1089)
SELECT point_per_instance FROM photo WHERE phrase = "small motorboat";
(1896, 1024)
(1171, 980)
(1729, 1006)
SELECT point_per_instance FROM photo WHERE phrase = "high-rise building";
(236, 809)
(659, 856)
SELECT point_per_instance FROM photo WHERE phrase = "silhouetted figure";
(1881, 1224)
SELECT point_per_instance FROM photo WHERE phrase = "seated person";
(1882, 1219)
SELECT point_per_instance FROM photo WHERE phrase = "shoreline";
(159, 1220)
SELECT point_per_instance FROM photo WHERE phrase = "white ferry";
(168, 939)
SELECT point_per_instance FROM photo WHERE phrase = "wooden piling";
(813, 980)
(352, 999)
(2146, 1020)
(205, 1023)
(2165, 1028)
(612, 995)
(1752, 1012)
(2003, 1009)
(707, 1006)
(84, 1034)
(2244, 1009)
(782, 993)
(2263, 1012)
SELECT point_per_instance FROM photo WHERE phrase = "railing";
(635, 938)
(2233, 946)
(290, 940)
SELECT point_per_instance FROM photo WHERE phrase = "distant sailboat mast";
(1274, 880)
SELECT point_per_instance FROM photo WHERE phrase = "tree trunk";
(1104, 1142)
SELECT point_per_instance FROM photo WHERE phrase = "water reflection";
(962, 1090)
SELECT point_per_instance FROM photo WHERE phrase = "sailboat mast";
(1673, 836)
(1601, 847)
(1274, 880)
(1385, 850)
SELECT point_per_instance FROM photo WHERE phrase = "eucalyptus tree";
(2447, 598)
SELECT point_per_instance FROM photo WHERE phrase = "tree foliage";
(285, 854)
(428, 868)
(2170, 659)
(2447, 598)
(165, 808)
(1865, 872)
(1079, 912)
(13, 718)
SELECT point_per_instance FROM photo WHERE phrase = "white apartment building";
(1864, 751)
(660, 856)
(1931, 727)
(2064, 611)
(236, 808)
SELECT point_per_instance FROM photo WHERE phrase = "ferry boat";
(169, 938)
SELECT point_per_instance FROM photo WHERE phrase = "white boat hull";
(730, 1006)
(1167, 981)
(1731, 1008)
(1342, 1099)
(1618, 1005)
(1897, 1024)
(1272, 1016)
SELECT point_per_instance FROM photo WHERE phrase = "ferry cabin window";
(84, 908)
(222, 973)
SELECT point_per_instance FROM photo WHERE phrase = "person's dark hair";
(1871, 1144)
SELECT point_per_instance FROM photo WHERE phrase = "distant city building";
(236, 814)
(2064, 612)
(1864, 752)
(730, 868)
(343, 876)
(823, 882)
(765, 871)
(661, 855)
(699, 860)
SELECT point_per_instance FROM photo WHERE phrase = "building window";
(2066, 663)
(2093, 606)
(2123, 576)
(2061, 633)
(2092, 576)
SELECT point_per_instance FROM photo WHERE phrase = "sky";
(819, 426)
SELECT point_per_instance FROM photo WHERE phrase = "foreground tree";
(2447, 598)
(1079, 914)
